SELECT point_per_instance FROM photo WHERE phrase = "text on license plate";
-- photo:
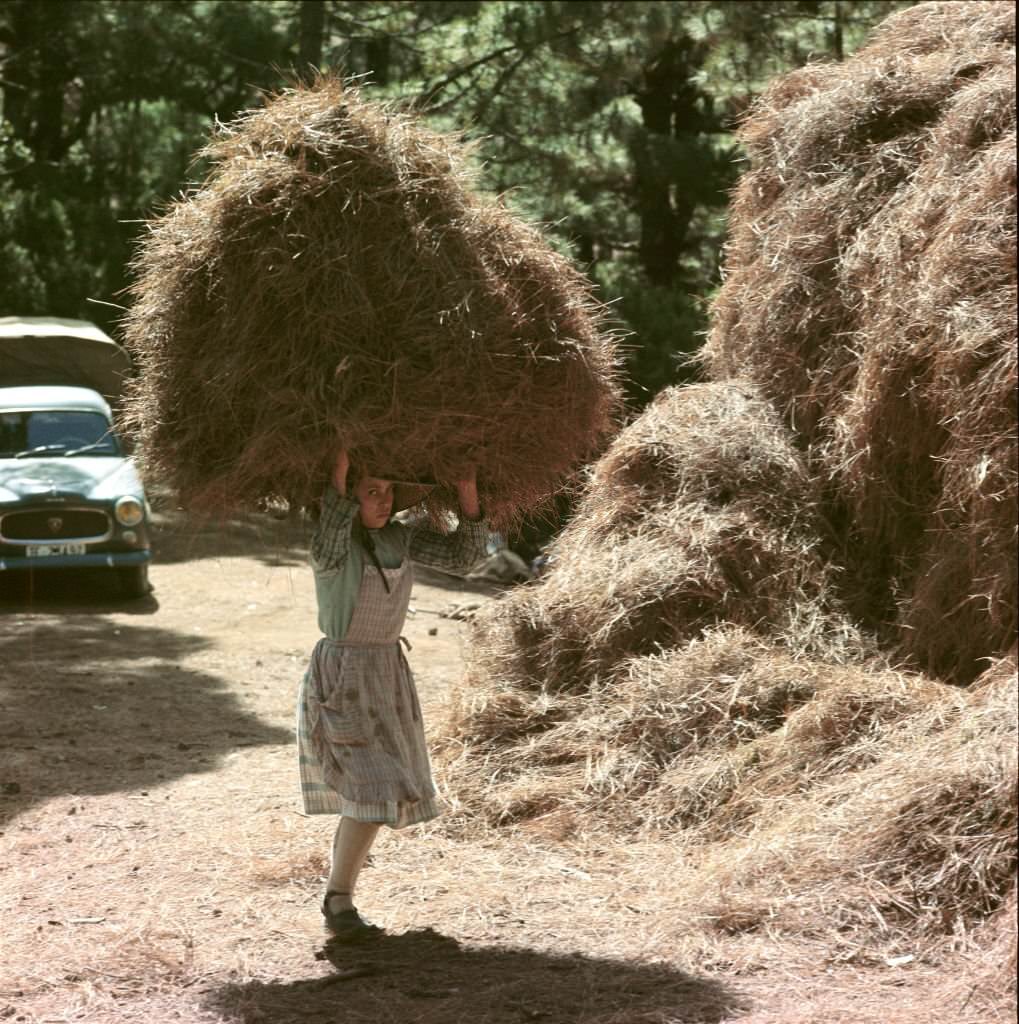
(43, 550)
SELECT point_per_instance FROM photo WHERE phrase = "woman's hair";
(361, 534)
(355, 474)
(359, 531)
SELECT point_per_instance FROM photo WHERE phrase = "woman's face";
(375, 497)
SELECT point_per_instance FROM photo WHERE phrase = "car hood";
(80, 476)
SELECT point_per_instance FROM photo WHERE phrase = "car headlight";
(129, 511)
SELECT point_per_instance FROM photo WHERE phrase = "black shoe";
(347, 925)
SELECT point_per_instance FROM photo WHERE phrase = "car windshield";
(56, 431)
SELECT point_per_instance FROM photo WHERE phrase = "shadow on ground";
(434, 578)
(428, 978)
(89, 707)
(274, 541)
(69, 592)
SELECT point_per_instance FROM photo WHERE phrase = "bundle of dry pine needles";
(871, 294)
(337, 279)
(700, 512)
(727, 643)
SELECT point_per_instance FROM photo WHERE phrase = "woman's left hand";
(467, 492)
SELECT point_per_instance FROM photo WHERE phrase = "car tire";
(134, 581)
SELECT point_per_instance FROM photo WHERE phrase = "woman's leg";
(351, 844)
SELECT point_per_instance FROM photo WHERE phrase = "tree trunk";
(36, 75)
(837, 43)
(312, 35)
(378, 55)
(668, 103)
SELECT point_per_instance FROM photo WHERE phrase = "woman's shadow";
(423, 976)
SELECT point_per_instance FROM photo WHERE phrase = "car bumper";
(98, 559)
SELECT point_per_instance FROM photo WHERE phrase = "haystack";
(700, 512)
(871, 294)
(727, 647)
(337, 279)
(903, 828)
(813, 797)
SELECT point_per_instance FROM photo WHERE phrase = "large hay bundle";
(687, 665)
(911, 829)
(699, 512)
(812, 797)
(337, 280)
(871, 294)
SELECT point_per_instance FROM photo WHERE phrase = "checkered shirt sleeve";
(456, 552)
(330, 543)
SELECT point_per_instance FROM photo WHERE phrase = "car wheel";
(134, 580)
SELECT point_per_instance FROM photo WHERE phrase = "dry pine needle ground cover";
(154, 868)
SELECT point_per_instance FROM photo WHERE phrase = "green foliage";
(668, 325)
(608, 122)
(104, 104)
(34, 235)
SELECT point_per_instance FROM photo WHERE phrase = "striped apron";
(360, 738)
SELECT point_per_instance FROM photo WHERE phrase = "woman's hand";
(340, 470)
(467, 491)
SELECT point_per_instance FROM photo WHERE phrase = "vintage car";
(70, 496)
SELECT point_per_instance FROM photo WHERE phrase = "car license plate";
(44, 550)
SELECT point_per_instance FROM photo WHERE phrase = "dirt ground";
(155, 866)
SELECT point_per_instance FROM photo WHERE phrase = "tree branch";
(427, 95)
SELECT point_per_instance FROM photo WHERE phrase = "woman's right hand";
(340, 470)
(467, 490)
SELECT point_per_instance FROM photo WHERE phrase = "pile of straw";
(906, 826)
(871, 294)
(753, 633)
(813, 797)
(699, 516)
(337, 279)
(700, 512)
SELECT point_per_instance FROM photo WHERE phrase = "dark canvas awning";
(47, 350)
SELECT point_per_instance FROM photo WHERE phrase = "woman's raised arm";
(467, 491)
(340, 471)
(461, 550)
(330, 544)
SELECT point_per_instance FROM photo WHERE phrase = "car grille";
(48, 524)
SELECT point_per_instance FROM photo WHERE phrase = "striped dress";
(361, 743)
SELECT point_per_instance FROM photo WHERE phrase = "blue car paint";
(51, 483)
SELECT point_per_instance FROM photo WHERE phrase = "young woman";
(361, 742)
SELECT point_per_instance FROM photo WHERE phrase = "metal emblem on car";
(54, 523)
